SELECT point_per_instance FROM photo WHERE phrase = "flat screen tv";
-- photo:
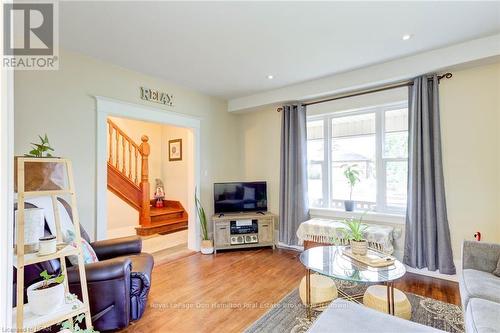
(239, 197)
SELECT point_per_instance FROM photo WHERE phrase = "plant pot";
(207, 246)
(47, 245)
(349, 205)
(359, 247)
(45, 301)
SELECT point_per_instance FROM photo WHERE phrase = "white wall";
(122, 218)
(470, 121)
(6, 188)
(61, 104)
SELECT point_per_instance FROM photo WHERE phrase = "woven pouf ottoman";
(375, 297)
(323, 290)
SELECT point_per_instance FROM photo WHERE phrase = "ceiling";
(227, 49)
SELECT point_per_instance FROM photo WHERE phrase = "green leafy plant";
(202, 217)
(41, 149)
(354, 229)
(352, 176)
(49, 280)
(73, 325)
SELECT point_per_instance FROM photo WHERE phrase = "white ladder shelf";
(21, 315)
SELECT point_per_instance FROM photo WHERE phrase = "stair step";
(169, 221)
(163, 227)
(164, 211)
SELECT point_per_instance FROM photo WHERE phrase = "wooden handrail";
(125, 165)
(122, 133)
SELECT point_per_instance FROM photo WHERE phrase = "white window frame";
(380, 160)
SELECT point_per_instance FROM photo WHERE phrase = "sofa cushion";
(479, 284)
(343, 316)
(497, 270)
(482, 316)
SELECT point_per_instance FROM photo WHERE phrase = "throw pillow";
(88, 252)
(497, 270)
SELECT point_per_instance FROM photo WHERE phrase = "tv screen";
(240, 197)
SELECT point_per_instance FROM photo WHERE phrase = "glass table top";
(330, 261)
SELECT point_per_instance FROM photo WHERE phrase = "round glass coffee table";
(332, 262)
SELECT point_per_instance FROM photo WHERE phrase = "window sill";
(368, 216)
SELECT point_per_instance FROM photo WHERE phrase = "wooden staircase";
(123, 170)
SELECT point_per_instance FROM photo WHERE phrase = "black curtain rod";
(369, 91)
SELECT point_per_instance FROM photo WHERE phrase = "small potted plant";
(352, 176)
(353, 232)
(41, 149)
(46, 296)
(207, 245)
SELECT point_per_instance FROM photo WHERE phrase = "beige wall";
(261, 136)
(470, 120)
(61, 104)
(177, 175)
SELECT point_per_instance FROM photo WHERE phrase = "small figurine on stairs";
(159, 193)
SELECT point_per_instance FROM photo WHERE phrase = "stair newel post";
(145, 218)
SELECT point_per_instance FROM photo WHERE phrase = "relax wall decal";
(156, 96)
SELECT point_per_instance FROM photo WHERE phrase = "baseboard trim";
(436, 274)
(290, 247)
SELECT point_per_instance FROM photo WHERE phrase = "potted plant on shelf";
(353, 232)
(47, 295)
(41, 149)
(207, 245)
(352, 176)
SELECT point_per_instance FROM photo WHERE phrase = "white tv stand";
(222, 230)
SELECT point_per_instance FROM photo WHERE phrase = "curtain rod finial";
(445, 76)
(279, 109)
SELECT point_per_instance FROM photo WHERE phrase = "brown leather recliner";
(118, 284)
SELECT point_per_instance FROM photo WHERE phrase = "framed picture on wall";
(175, 150)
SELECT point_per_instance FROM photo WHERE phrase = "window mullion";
(379, 162)
(327, 184)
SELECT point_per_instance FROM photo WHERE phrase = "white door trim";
(6, 195)
(112, 107)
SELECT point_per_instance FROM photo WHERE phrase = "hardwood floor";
(227, 292)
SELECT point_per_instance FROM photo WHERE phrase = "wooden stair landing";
(170, 218)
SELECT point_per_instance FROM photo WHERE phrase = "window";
(375, 142)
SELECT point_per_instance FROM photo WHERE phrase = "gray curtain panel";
(427, 242)
(293, 173)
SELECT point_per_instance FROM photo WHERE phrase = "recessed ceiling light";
(270, 77)
(406, 37)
